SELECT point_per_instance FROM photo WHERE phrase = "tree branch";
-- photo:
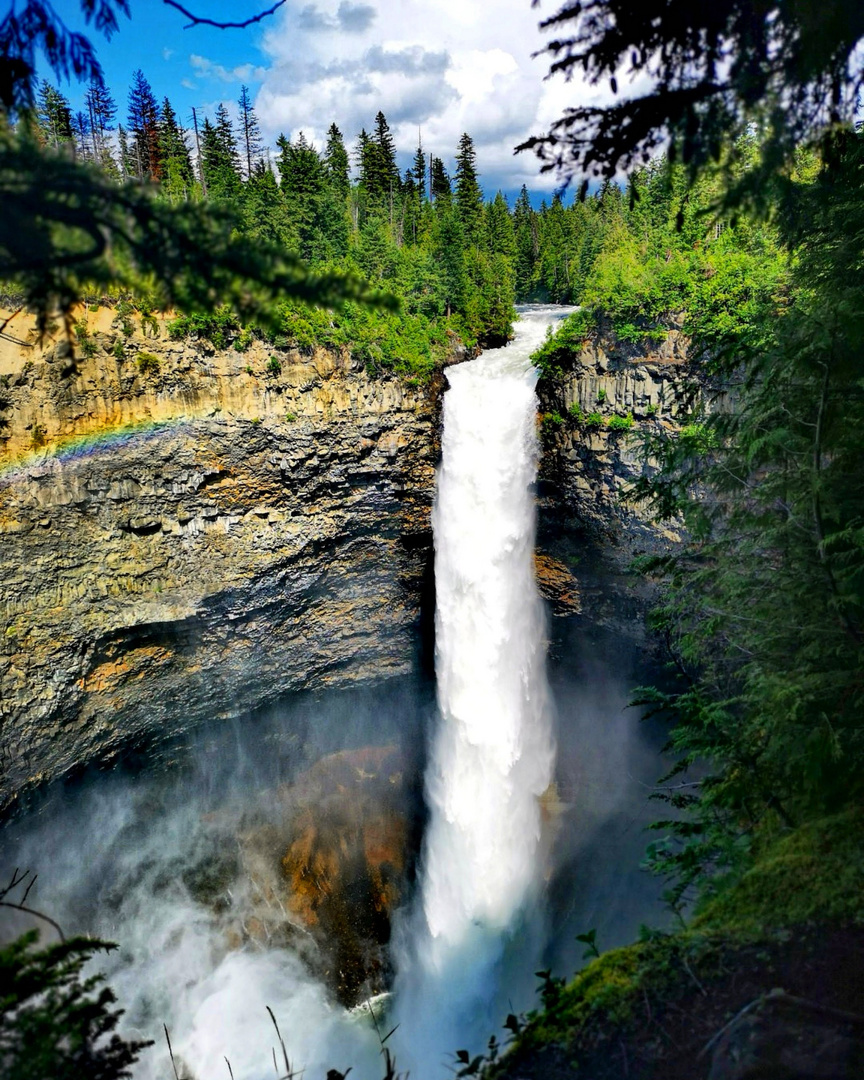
(196, 20)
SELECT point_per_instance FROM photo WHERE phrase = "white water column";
(493, 752)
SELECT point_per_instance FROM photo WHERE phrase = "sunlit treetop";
(704, 73)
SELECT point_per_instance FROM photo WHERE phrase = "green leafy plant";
(274, 366)
(148, 363)
(620, 423)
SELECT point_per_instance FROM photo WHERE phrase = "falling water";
(493, 752)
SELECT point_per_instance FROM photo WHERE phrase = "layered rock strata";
(188, 533)
(587, 519)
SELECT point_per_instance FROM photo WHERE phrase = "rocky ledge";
(188, 533)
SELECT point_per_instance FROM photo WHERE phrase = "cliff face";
(587, 468)
(188, 533)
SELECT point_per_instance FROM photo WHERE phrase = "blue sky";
(437, 67)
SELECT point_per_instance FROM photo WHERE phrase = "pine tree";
(220, 164)
(127, 167)
(315, 213)
(379, 171)
(177, 178)
(336, 163)
(54, 116)
(469, 197)
(527, 245)
(440, 180)
(81, 134)
(265, 213)
(500, 234)
(250, 132)
(102, 110)
(419, 171)
(143, 124)
(450, 253)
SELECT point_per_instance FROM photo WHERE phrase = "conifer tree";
(527, 244)
(379, 172)
(102, 110)
(469, 197)
(54, 116)
(500, 234)
(265, 214)
(419, 171)
(336, 163)
(219, 161)
(143, 124)
(250, 132)
(177, 176)
(81, 135)
(127, 168)
(440, 180)
(450, 252)
(316, 214)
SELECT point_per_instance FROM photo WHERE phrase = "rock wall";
(188, 533)
(586, 522)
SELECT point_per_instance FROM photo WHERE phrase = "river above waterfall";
(265, 861)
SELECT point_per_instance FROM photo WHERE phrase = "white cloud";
(445, 66)
(208, 69)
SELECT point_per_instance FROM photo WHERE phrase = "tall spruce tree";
(82, 135)
(54, 116)
(177, 177)
(336, 163)
(440, 180)
(527, 245)
(220, 164)
(102, 110)
(419, 171)
(250, 132)
(143, 125)
(469, 197)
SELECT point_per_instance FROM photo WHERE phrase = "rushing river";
(151, 860)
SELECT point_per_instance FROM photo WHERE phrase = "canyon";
(191, 532)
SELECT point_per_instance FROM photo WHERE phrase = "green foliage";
(148, 364)
(55, 1021)
(221, 327)
(620, 423)
(274, 366)
(791, 70)
(764, 619)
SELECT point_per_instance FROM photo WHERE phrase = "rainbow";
(76, 448)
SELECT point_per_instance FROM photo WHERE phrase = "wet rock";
(338, 865)
(213, 543)
(781, 1040)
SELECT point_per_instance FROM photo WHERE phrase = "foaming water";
(117, 862)
(471, 943)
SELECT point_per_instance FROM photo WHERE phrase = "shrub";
(148, 364)
(274, 366)
(219, 327)
(243, 340)
(620, 423)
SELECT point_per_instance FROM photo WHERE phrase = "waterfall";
(493, 752)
